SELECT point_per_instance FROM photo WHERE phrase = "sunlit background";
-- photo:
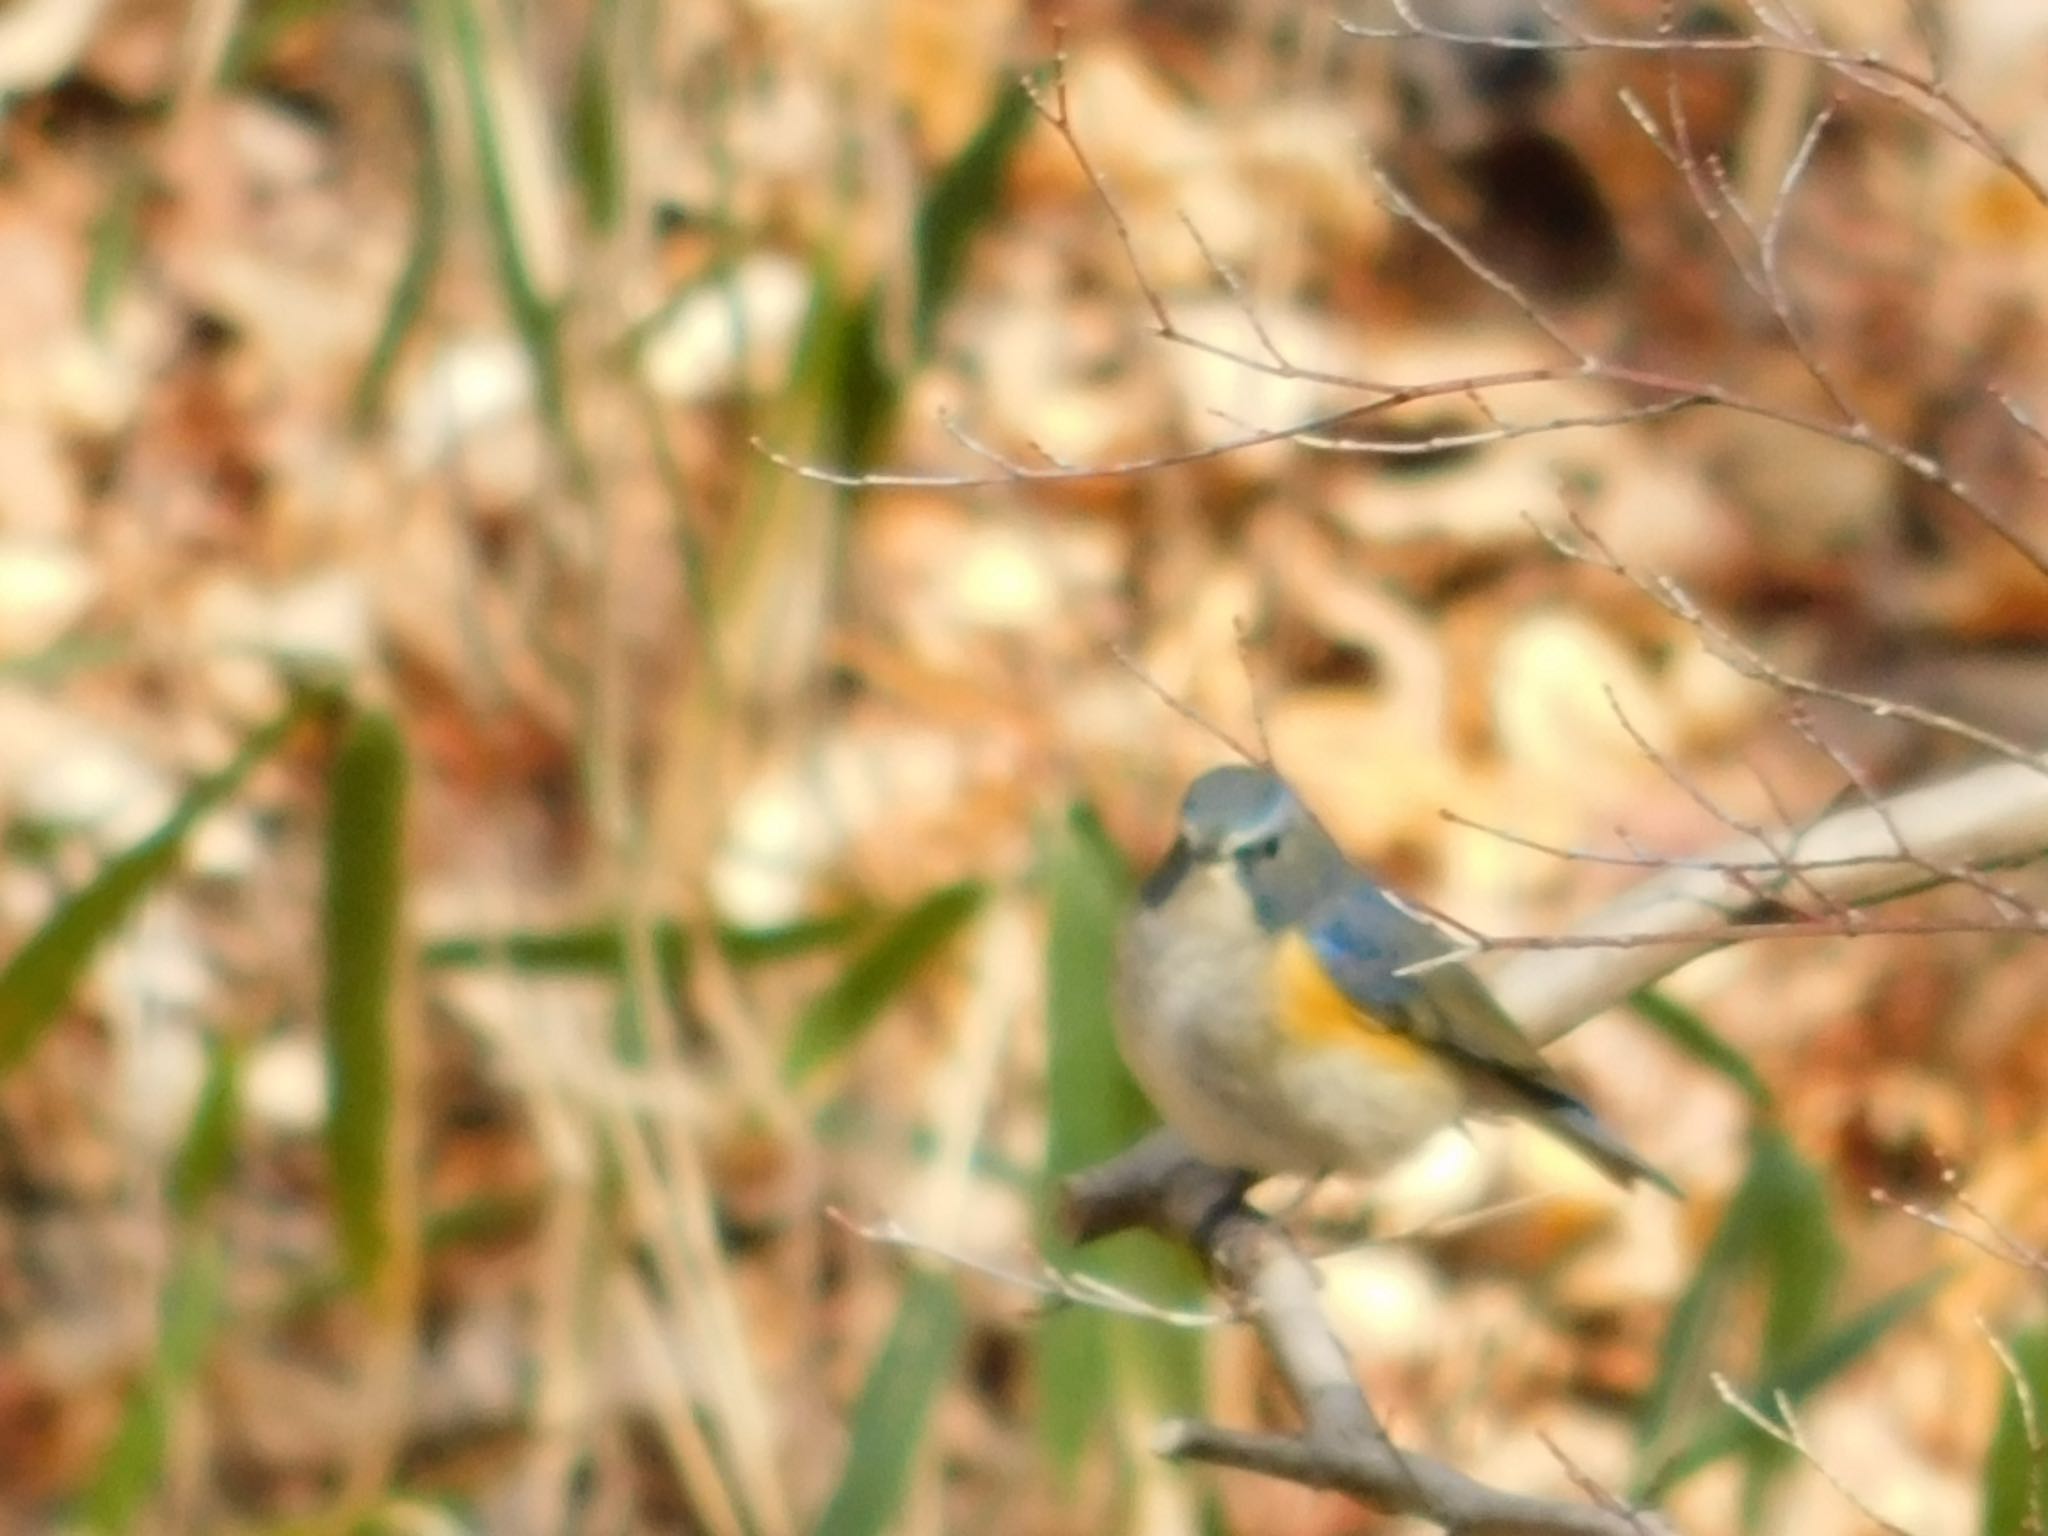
(550, 962)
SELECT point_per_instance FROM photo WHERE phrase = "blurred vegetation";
(580, 1146)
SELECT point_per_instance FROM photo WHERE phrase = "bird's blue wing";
(1362, 940)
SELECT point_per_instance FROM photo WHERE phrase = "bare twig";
(1160, 1185)
(1924, 92)
(1991, 1235)
(1786, 1431)
(1051, 1284)
(1188, 712)
(1589, 548)
(1403, 1482)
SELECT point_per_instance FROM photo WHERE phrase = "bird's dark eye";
(1264, 848)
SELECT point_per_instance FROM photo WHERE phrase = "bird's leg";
(1226, 1205)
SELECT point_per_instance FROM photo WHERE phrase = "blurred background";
(550, 963)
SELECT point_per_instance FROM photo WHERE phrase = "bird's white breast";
(1197, 1027)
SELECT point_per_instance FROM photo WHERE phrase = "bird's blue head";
(1244, 823)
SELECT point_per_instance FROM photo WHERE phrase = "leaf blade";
(363, 896)
(1095, 1110)
(839, 1016)
(894, 1406)
(1728, 1432)
(2015, 1474)
(36, 983)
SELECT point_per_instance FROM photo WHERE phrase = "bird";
(1270, 1005)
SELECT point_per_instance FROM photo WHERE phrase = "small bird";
(1265, 1011)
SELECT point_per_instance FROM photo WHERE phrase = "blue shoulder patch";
(1362, 939)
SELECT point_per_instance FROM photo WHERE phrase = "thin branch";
(1189, 713)
(1924, 93)
(1786, 1431)
(1403, 1482)
(1048, 1282)
(1407, 208)
(1160, 1185)
(1591, 549)
(1993, 1238)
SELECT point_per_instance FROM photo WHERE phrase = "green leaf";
(1095, 1111)
(1777, 1234)
(534, 312)
(113, 246)
(1699, 1320)
(1801, 1259)
(846, 385)
(1728, 1433)
(2016, 1469)
(1092, 1109)
(130, 1471)
(895, 1404)
(843, 1012)
(1692, 1035)
(365, 891)
(208, 1152)
(596, 135)
(962, 200)
(40, 978)
(601, 947)
(1095, 1108)
(409, 294)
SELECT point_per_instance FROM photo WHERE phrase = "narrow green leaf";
(1692, 1035)
(1092, 1108)
(40, 977)
(1727, 1433)
(962, 200)
(764, 946)
(1697, 1322)
(409, 294)
(845, 382)
(130, 1471)
(847, 387)
(842, 1013)
(112, 254)
(365, 890)
(596, 136)
(208, 1152)
(2016, 1470)
(1799, 1249)
(600, 946)
(895, 1403)
(1777, 1235)
(534, 312)
(1095, 1110)
(1801, 1258)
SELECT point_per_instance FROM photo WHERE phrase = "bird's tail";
(1575, 1124)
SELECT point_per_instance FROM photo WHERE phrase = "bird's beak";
(1167, 875)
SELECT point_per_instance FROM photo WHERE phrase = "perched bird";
(1265, 1012)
